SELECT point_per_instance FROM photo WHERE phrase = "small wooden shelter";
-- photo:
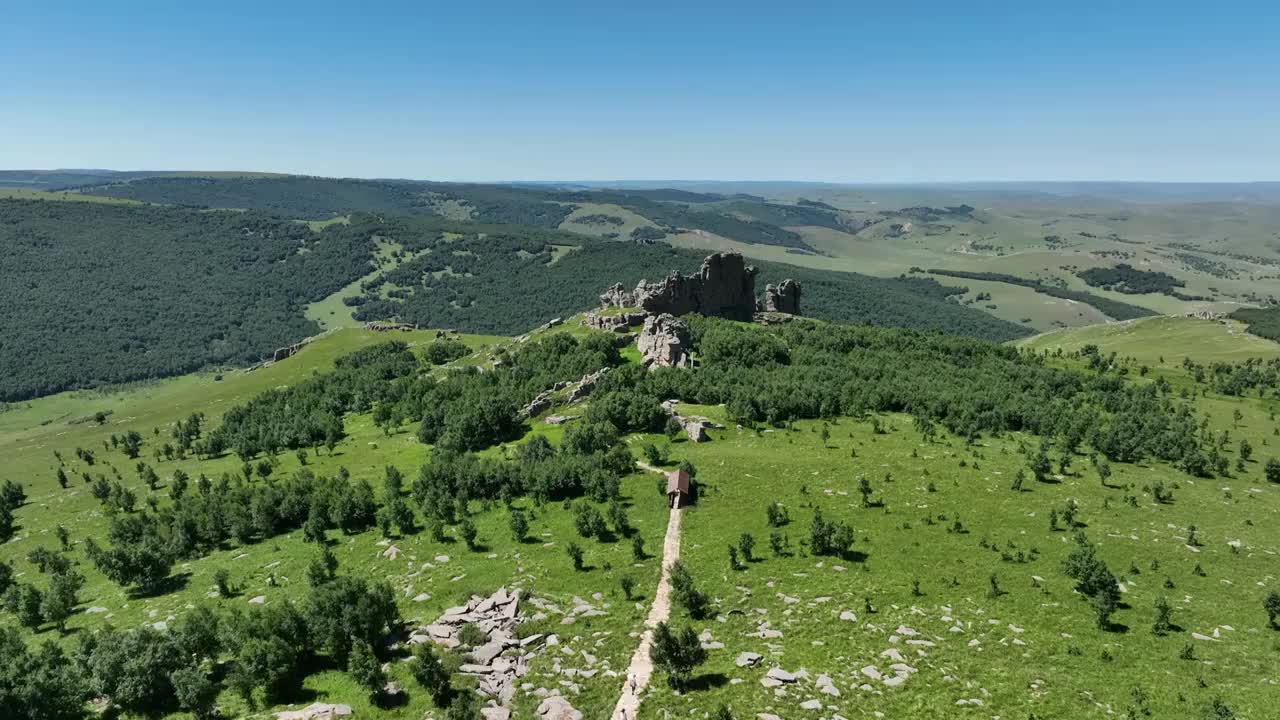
(677, 488)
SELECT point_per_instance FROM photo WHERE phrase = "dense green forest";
(1263, 322)
(1114, 309)
(501, 281)
(96, 293)
(100, 294)
(320, 198)
(1127, 279)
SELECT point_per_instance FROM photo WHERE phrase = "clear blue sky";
(482, 90)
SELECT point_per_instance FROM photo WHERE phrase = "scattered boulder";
(557, 708)
(316, 711)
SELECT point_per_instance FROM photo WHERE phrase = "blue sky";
(845, 92)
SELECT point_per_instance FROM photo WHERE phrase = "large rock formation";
(725, 286)
(783, 297)
(664, 342)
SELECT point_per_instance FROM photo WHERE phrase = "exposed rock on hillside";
(664, 342)
(502, 658)
(725, 286)
(618, 322)
(783, 297)
(316, 711)
(694, 426)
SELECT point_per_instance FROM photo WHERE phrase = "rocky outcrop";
(694, 426)
(503, 658)
(725, 286)
(316, 711)
(617, 296)
(617, 322)
(586, 385)
(783, 297)
(546, 399)
(664, 342)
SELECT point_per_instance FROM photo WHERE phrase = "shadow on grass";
(171, 584)
(707, 681)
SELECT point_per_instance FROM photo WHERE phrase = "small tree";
(575, 553)
(431, 675)
(778, 544)
(1104, 472)
(195, 690)
(60, 601)
(722, 713)
(864, 488)
(467, 530)
(1271, 603)
(365, 669)
(1040, 465)
(686, 593)
(222, 581)
(676, 653)
(463, 707)
(1217, 709)
(618, 518)
(519, 525)
(733, 559)
(1018, 478)
(1164, 616)
(627, 583)
(746, 544)
(777, 515)
(637, 548)
(323, 568)
(1272, 470)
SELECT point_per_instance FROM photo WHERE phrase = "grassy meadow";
(943, 515)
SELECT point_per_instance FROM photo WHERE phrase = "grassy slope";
(1007, 234)
(740, 471)
(331, 312)
(30, 432)
(1148, 340)
(1037, 648)
(630, 220)
(25, 194)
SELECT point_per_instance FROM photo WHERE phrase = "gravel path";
(640, 669)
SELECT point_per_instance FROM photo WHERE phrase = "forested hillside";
(103, 293)
(97, 293)
(736, 217)
(496, 280)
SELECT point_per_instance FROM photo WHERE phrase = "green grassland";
(30, 432)
(1032, 649)
(1163, 341)
(1225, 252)
(578, 221)
(331, 312)
(26, 194)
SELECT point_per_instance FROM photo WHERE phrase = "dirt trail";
(640, 669)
